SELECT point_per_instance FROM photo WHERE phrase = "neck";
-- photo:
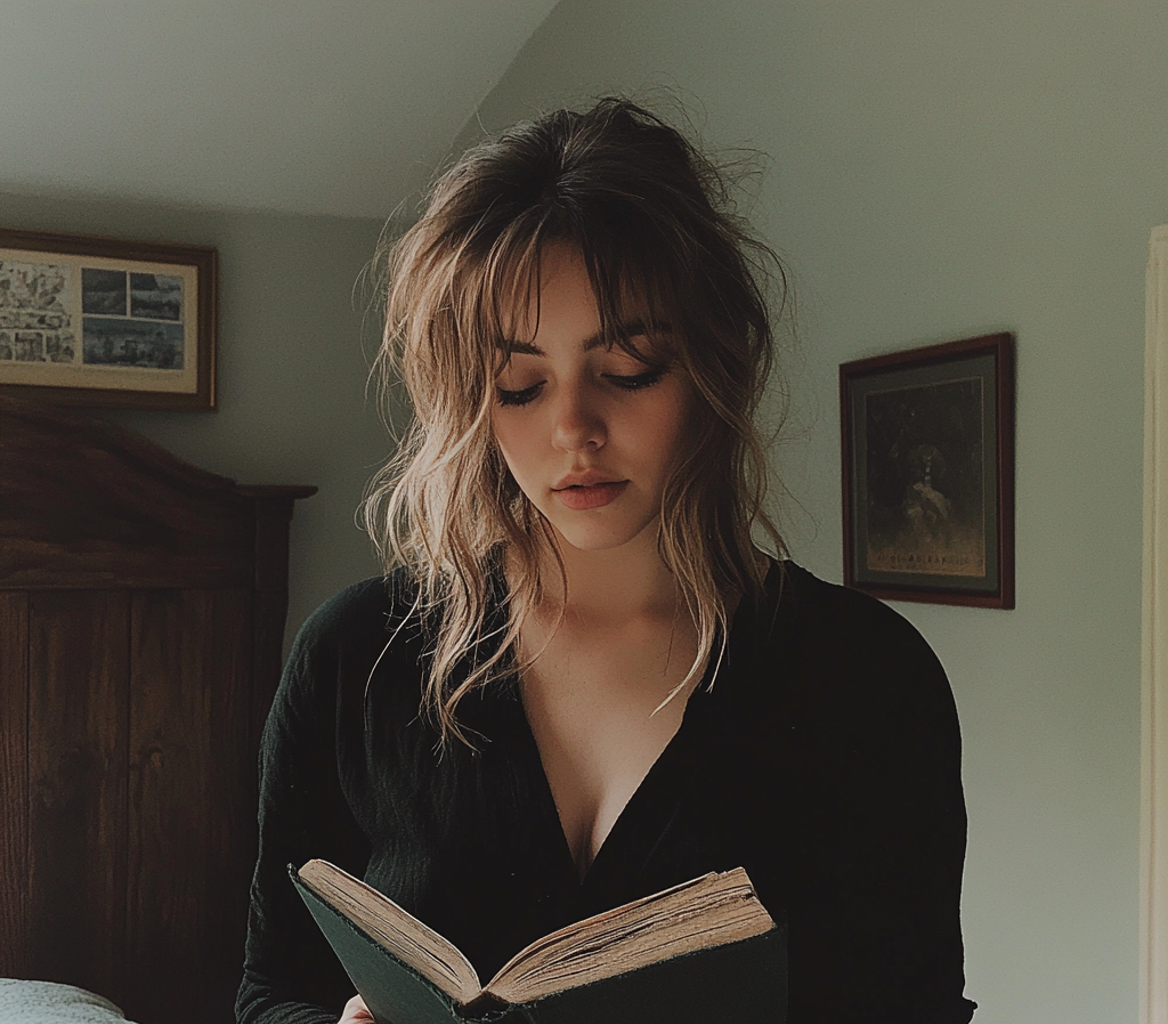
(614, 584)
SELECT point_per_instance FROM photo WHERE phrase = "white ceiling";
(309, 106)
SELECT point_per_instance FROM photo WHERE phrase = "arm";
(291, 976)
(876, 883)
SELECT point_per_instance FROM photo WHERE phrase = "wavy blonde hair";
(652, 218)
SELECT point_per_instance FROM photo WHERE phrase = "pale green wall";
(940, 171)
(292, 373)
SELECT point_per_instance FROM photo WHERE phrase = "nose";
(578, 422)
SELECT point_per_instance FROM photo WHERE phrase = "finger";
(356, 1012)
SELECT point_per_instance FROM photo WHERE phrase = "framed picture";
(97, 321)
(928, 473)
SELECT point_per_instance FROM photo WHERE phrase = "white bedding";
(46, 1002)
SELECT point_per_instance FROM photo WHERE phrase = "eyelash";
(635, 382)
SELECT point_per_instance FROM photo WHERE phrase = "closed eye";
(626, 382)
(638, 380)
(518, 397)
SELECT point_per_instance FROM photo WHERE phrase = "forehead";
(561, 285)
(558, 291)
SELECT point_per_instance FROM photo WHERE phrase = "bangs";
(636, 293)
(498, 287)
(636, 297)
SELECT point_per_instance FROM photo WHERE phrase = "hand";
(356, 1012)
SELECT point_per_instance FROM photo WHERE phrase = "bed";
(142, 608)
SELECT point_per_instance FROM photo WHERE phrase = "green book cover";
(700, 952)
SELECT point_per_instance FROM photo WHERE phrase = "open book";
(705, 950)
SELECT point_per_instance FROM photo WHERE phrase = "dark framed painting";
(928, 473)
(101, 321)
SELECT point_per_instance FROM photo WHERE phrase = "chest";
(489, 847)
(600, 709)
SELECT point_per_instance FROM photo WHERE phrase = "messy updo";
(653, 219)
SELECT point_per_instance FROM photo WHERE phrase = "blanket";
(46, 1002)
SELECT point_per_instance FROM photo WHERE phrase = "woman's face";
(590, 434)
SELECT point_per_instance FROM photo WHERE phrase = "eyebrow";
(630, 329)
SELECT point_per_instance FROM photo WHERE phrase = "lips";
(580, 497)
(583, 478)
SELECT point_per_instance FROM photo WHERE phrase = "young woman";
(580, 681)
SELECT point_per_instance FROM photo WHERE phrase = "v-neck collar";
(644, 819)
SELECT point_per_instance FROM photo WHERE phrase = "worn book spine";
(394, 992)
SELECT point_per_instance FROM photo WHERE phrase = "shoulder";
(848, 649)
(344, 639)
(868, 706)
(359, 615)
(378, 597)
(822, 611)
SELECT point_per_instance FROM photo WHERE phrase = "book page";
(709, 911)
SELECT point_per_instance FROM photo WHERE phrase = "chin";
(599, 535)
(593, 543)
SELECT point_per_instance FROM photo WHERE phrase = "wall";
(292, 373)
(939, 172)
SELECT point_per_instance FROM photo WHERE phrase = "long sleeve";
(291, 976)
(879, 825)
(826, 760)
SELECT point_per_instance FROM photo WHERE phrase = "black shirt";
(825, 760)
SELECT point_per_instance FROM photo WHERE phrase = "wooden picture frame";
(106, 322)
(928, 473)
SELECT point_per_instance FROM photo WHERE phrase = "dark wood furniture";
(142, 607)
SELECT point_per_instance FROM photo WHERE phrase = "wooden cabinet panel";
(77, 733)
(13, 780)
(192, 834)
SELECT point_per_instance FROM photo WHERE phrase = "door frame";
(1154, 682)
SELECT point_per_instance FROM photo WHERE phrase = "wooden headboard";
(142, 607)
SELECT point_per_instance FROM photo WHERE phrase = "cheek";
(509, 439)
(675, 429)
(502, 439)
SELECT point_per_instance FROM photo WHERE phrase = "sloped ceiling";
(335, 107)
